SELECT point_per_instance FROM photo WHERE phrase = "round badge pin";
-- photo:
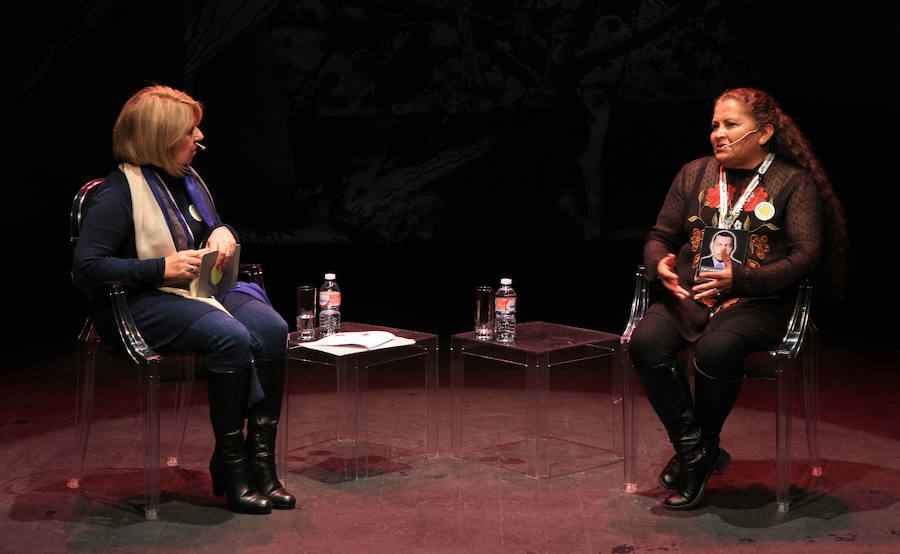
(194, 213)
(764, 211)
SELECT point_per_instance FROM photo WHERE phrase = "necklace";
(726, 218)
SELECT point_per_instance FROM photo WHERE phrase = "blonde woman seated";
(144, 229)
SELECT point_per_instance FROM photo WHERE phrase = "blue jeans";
(231, 344)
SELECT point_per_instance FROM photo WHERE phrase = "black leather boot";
(670, 397)
(670, 476)
(229, 467)
(262, 428)
(696, 461)
(713, 401)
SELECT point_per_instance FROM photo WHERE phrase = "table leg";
(456, 394)
(348, 401)
(538, 388)
(431, 402)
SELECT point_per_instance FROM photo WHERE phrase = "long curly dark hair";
(789, 144)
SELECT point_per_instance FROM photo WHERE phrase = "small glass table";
(364, 413)
(538, 407)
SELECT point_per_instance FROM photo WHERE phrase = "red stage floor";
(411, 504)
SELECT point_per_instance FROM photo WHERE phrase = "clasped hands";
(183, 266)
(715, 282)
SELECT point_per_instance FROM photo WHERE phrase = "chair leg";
(783, 419)
(811, 402)
(84, 403)
(149, 384)
(183, 390)
(627, 379)
(284, 423)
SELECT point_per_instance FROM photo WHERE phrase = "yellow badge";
(764, 211)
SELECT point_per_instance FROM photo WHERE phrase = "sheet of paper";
(341, 344)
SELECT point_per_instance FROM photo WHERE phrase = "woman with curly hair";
(763, 182)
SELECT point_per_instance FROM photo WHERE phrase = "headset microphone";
(730, 144)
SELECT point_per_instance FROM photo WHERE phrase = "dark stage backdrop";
(419, 148)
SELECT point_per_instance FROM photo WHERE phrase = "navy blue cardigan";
(106, 254)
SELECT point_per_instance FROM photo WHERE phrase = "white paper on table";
(341, 344)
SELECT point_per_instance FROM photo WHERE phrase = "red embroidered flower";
(712, 196)
(759, 195)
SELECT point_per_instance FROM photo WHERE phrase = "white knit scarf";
(151, 232)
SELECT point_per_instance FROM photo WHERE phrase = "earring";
(761, 142)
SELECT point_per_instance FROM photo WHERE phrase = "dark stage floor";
(443, 504)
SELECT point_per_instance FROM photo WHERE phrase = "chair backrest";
(639, 303)
(79, 209)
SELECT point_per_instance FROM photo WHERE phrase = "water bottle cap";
(506, 281)
(329, 276)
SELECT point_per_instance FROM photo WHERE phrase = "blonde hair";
(151, 123)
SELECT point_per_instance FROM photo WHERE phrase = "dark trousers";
(718, 357)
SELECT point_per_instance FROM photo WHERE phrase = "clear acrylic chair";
(134, 351)
(796, 353)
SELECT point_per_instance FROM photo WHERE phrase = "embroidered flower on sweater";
(760, 246)
(696, 239)
(712, 196)
(758, 196)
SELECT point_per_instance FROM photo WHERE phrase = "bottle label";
(505, 304)
(329, 299)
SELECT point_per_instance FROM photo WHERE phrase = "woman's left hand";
(222, 240)
(720, 281)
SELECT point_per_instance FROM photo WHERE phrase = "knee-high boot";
(694, 462)
(697, 460)
(262, 428)
(713, 400)
(229, 467)
(700, 455)
(670, 398)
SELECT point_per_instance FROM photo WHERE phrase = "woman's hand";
(669, 279)
(222, 240)
(720, 281)
(182, 267)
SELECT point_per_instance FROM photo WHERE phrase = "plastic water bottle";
(329, 306)
(505, 312)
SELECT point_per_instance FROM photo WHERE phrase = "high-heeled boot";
(696, 460)
(670, 476)
(229, 467)
(262, 428)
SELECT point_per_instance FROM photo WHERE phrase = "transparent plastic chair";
(133, 349)
(795, 354)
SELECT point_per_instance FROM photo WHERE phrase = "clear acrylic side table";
(383, 406)
(565, 427)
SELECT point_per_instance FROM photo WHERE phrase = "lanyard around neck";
(726, 220)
